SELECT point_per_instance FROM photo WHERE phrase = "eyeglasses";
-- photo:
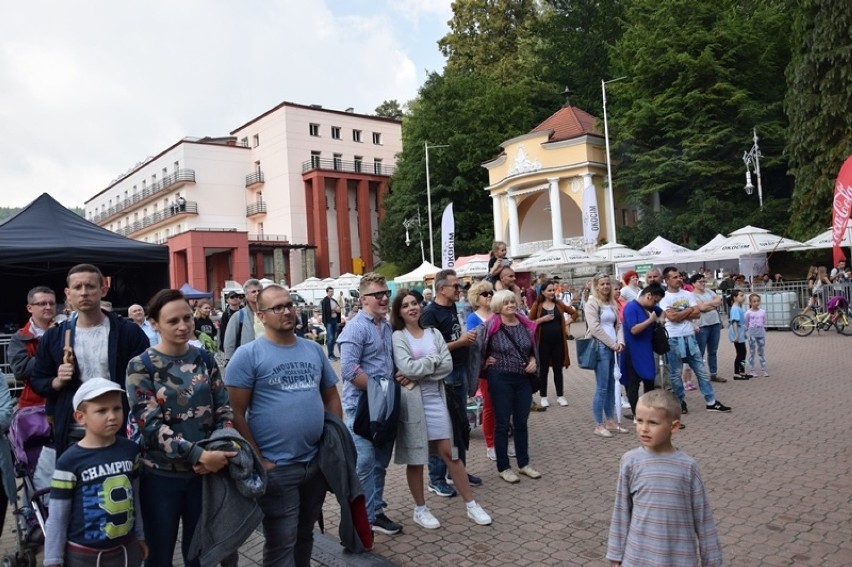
(455, 285)
(378, 295)
(44, 304)
(281, 308)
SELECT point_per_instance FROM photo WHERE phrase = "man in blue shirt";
(280, 382)
(366, 353)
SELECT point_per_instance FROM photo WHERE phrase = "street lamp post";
(610, 221)
(412, 222)
(429, 202)
(752, 157)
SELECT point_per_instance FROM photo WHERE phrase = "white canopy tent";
(310, 283)
(713, 244)
(347, 281)
(824, 240)
(476, 265)
(662, 251)
(419, 274)
(615, 253)
(751, 240)
(557, 256)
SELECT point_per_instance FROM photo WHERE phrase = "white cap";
(92, 388)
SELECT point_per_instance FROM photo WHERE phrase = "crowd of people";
(143, 414)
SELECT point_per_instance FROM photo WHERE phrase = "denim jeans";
(330, 337)
(681, 348)
(291, 506)
(457, 379)
(757, 344)
(372, 465)
(511, 396)
(603, 403)
(166, 500)
(708, 340)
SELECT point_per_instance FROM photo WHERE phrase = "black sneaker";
(719, 379)
(718, 406)
(441, 488)
(741, 377)
(683, 409)
(385, 525)
(474, 480)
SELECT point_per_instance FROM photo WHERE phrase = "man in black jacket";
(102, 344)
(331, 320)
(235, 302)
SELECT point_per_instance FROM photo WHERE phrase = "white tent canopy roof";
(419, 274)
(751, 240)
(824, 240)
(476, 265)
(713, 244)
(557, 256)
(310, 283)
(615, 252)
(661, 250)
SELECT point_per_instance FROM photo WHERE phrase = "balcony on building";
(150, 193)
(254, 179)
(335, 164)
(257, 208)
(189, 208)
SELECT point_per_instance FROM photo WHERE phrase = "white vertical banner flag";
(591, 217)
(448, 239)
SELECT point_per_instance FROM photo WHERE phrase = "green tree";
(701, 75)
(389, 109)
(819, 105)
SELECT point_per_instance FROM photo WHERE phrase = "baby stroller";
(28, 434)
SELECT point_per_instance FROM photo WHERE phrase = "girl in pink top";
(755, 328)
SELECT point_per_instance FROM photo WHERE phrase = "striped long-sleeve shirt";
(661, 516)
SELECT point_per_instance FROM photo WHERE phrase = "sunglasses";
(378, 295)
(487, 294)
(281, 308)
(455, 285)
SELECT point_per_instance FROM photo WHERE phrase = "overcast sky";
(90, 88)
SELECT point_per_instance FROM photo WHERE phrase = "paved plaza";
(778, 471)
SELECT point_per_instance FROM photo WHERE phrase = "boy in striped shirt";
(661, 515)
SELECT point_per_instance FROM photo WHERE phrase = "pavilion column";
(365, 232)
(555, 212)
(344, 246)
(514, 225)
(497, 206)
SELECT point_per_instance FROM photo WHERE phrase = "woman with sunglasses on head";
(177, 396)
(604, 325)
(480, 295)
(423, 360)
(553, 319)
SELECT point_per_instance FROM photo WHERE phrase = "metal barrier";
(6, 367)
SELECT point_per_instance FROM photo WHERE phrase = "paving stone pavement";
(778, 471)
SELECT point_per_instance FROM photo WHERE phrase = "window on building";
(356, 135)
(359, 161)
(110, 226)
(135, 190)
(165, 172)
(338, 161)
(125, 195)
(313, 129)
(168, 232)
(177, 166)
(177, 229)
(315, 159)
(153, 181)
(136, 216)
(260, 229)
(144, 185)
(257, 166)
(110, 203)
(335, 132)
(255, 140)
(377, 166)
(244, 142)
(377, 138)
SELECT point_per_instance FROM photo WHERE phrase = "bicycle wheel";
(802, 325)
(843, 326)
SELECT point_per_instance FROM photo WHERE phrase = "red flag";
(842, 208)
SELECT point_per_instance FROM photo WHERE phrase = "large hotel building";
(293, 193)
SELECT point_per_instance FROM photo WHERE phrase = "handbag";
(660, 341)
(587, 353)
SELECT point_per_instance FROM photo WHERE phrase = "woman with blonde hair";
(480, 295)
(604, 325)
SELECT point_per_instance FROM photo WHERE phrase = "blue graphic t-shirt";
(286, 410)
(99, 482)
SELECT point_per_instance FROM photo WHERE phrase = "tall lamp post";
(752, 158)
(429, 202)
(412, 222)
(610, 221)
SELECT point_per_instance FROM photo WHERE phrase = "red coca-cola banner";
(842, 208)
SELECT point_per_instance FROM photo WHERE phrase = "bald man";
(137, 315)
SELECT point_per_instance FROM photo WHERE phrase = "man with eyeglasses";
(248, 324)
(366, 353)
(41, 305)
(234, 301)
(681, 308)
(280, 382)
(443, 315)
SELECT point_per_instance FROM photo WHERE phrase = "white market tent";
(419, 274)
(476, 265)
(557, 256)
(310, 283)
(824, 240)
(347, 281)
(614, 252)
(715, 242)
(662, 251)
(751, 240)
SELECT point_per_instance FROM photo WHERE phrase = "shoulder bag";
(587, 350)
(660, 341)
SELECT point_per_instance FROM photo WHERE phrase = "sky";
(90, 88)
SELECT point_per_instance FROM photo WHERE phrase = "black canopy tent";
(44, 240)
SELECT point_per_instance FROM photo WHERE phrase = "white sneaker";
(478, 515)
(511, 451)
(562, 401)
(625, 403)
(544, 402)
(491, 453)
(427, 520)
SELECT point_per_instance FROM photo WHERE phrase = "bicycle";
(803, 325)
